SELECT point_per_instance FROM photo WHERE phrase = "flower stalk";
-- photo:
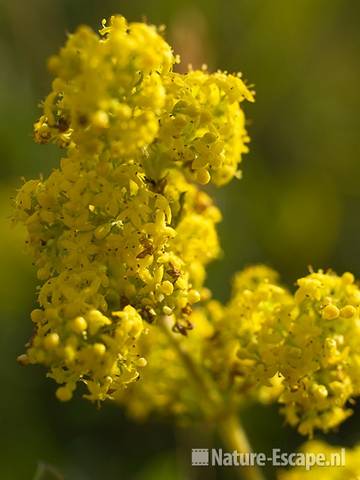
(234, 437)
(228, 426)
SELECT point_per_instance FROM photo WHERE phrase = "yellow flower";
(202, 126)
(320, 359)
(301, 350)
(250, 333)
(119, 233)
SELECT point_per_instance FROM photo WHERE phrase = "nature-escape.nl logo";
(277, 458)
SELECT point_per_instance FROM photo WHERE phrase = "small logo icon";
(200, 456)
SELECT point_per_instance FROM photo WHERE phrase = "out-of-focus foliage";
(47, 472)
(297, 205)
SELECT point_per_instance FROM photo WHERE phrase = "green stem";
(234, 437)
(229, 427)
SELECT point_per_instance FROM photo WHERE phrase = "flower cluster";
(119, 232)
(321, 354)
(118, 94)
(108, 91)
(250, 329)
(301, 349)
(202, 127)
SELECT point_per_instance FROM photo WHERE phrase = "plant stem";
(229, 427)
(234, 437)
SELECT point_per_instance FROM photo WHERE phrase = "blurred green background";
(297, 205)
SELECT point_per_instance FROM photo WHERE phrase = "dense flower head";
(104, 239)
(301, 350)
(117, 95)
(321, 355)
(249, 332)
(108, 90)
(120, 233)
(202, 126)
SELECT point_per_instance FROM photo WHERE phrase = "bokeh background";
(297, 205)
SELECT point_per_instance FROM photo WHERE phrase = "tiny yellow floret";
(203, 176)
(79, 324)
(167, 287)
(330, 312)
(51, 341)
(194, 296)
(141, 362)
(64, 394)
(99, 349)
(348, 311)
(348, 278)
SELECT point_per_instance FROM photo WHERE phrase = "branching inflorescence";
(121, 234)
